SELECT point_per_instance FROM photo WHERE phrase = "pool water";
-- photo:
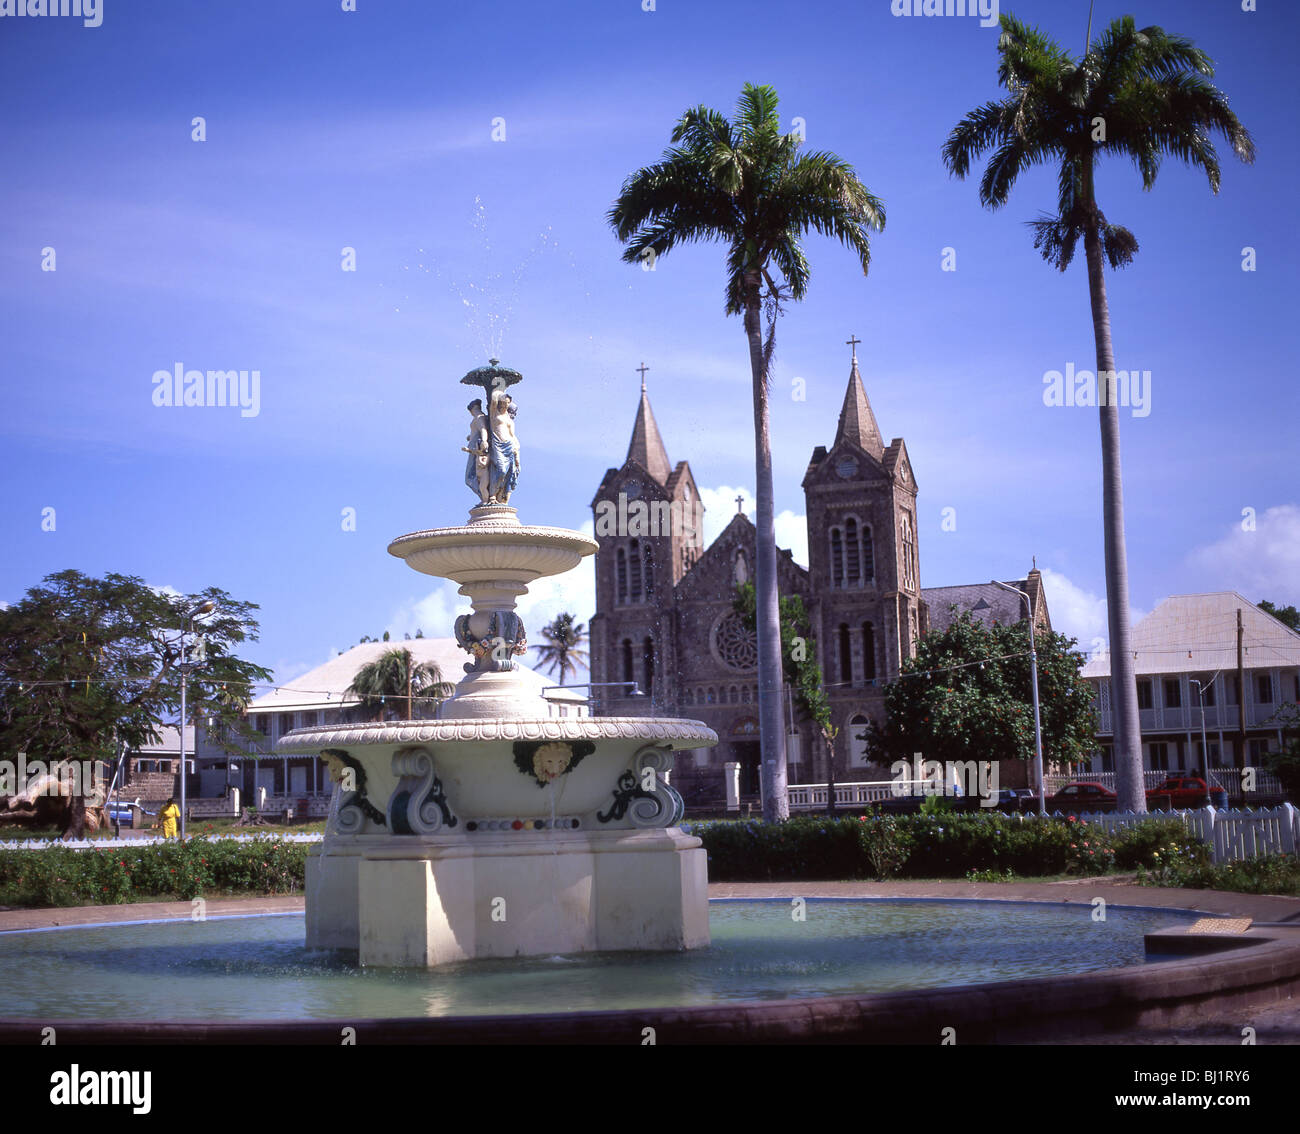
(257, 968)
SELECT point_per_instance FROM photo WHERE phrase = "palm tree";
(395, 675)
(744, 183)
(1139, 95)
(563, 647)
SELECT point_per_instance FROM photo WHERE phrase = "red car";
(1077, 797)
(1181, 793)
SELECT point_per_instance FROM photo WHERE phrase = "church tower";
(864, 567)
(648, 524)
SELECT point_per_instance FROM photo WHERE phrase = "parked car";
(1179, 793)
(1077, 797)
(1016, 800)
(123, 814)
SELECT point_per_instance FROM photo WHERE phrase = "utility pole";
(1241, 699)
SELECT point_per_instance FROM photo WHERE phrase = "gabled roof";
(1204, 626)
(857, 422)
(324, 686)
(986, 602)
(647, 446)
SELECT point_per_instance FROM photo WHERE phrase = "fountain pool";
(257, 967)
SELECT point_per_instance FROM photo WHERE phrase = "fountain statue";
(498, 829)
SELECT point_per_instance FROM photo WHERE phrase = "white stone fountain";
(499, 830)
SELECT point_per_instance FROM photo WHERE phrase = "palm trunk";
(767, 614)
(1127, 733)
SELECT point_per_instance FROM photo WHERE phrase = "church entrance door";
(748, 754)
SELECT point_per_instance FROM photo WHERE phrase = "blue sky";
(372, 130)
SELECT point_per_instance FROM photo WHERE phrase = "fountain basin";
(493, 551)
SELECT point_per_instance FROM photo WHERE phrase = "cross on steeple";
(852, 341)
(641, 370)
(740, 505)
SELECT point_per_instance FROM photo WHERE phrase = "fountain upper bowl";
(487, 552)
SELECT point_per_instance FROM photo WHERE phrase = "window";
(264, 723)
(1144, 693)
(1231, 689)
(868, 556)
(733, 695)
(620, 575)
(1214, 751)
(744, 695)
(649, 567)
(1256, 748)
(837, 558)
(846, 654)
(908, 551)
(286, 723)
(1206, 689)
(712, 695)
(688, 698)
(852, 552)
(648, 664)
(627, 663)
(1264, 688)
(634, 571)
(1173, 693)
(1107, 758)
(868, 651)
(1159, 756)
(857, 741)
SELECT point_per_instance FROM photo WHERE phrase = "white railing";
(1230, 779)
(810, 797)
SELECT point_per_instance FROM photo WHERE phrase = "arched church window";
(857, 745)
(868, 651)
(648, 664)
(846, 654)
(837, 558)
(744, 695)
(627, 662)
(868, 555)
(712, 695)
(688, 698)
(620, 575)
(852, 553)
(634, 571)
(733, 695)
(649, 565)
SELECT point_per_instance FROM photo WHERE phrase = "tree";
(1284, 762)
(800, 668)
(1138, 95)
(396, 675)
(966, 695)
(744, 183)
(563, 648)
(90, 668)
(1287, 615)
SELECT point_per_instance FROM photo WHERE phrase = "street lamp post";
(1205, 746)
(187, 627)
(1033, 670)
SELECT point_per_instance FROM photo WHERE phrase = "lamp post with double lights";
(187, 627)
(1033, 670)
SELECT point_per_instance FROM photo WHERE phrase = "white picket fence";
(1233, 835)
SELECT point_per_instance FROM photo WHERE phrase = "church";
(665, 640)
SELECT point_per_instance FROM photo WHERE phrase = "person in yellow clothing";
(168, 818)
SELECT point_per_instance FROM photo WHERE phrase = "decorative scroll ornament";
(418, 805)
(659, 805)
(495, 652)
(354, 807)
(547, 761)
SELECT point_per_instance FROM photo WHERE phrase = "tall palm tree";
(745, 184)
(396, 676)
(1136, 94)
(563, 648)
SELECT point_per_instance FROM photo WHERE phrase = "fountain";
(497, 829)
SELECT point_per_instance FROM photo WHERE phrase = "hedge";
(60, 876)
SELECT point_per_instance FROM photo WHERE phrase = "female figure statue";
(503, 444)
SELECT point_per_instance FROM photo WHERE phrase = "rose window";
(735, 644)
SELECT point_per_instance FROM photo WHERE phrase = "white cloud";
(720, 507)
(1079, 613)
(1260, 563)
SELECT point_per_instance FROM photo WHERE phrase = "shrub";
(1147, 843)
(1268, 874)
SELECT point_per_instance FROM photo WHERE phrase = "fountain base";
(444, 898)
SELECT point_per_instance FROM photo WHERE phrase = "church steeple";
(647, 447)
(857, 422)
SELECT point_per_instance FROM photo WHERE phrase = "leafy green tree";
(1287, 615)
(1285, 762)
(89, 667)
(396, 676)
(563, 648)
(967, 696)
(1137, 95)
(744, 184)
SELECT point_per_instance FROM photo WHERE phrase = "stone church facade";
(665, 640)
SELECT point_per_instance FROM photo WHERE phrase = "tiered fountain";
(499, 830)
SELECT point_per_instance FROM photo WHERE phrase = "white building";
(1191, 639)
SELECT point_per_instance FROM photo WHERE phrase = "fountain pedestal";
(499, 830)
